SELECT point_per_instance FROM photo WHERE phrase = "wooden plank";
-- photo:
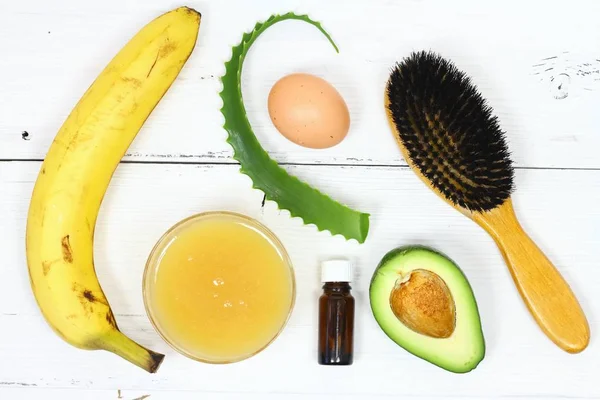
(518, 53)
(96, 394)
(144, 200)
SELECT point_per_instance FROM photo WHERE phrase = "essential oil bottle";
(336, 314)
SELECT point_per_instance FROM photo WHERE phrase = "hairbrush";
(450, 138)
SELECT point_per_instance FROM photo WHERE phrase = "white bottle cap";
(336, 271)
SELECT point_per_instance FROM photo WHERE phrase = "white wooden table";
(524, 56)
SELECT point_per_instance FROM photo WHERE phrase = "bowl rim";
(163, 242)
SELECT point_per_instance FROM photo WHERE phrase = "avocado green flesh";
(465, 347)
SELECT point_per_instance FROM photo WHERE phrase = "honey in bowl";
(219, 287)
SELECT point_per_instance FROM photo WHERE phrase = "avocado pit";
(423, 302)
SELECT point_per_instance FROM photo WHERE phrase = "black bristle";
(450, 132)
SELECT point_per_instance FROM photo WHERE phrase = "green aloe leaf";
(291, 194)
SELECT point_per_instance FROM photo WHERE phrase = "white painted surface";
(51, 51)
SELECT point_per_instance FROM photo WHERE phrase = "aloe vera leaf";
(291, 194)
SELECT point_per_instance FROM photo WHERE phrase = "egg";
(308, 111)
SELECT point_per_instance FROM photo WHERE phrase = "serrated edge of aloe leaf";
(236, 136)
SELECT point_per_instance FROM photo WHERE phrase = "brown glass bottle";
(336, 315)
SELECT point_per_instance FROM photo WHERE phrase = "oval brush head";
(449, 132)
(449, 136)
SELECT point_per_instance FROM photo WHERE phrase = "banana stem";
(118, 343)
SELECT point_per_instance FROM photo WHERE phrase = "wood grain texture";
(567, 74)
(51, 54)
(545, 292)
(144, 200)
(99, 394)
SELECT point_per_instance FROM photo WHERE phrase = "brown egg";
(308, 111)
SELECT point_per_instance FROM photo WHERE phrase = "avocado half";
(424, 303)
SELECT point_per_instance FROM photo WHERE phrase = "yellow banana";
(76, 173)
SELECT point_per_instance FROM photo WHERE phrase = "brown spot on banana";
(191, 11)
(89, 295)
(166, 49)
(87, 298)
(92, 298)
(163, 52)
(110, 318)
(134, 81)
(67, 251)
(46, 265)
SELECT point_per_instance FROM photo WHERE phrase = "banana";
(76, 173)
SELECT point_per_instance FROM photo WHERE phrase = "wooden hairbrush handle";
(545, 292)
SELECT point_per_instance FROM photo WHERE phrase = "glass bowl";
(153, 266)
